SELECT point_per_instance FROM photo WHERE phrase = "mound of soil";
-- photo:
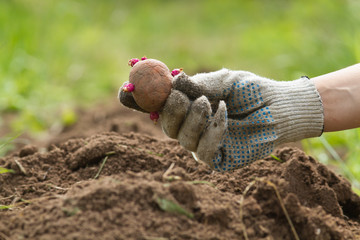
(119, 182)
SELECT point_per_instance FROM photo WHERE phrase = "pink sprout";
(176, 71)
(129, 87)
(154, 116)
(144, 58)
(133, 61)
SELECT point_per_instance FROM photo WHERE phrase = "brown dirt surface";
(114, 175)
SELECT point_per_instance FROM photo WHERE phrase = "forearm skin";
(340, 95)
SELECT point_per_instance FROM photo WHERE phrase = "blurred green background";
(58, 55)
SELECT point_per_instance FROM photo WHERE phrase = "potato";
(153, 81)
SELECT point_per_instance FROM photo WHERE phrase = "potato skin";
(153, 82)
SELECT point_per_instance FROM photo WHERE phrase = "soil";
(114, 175)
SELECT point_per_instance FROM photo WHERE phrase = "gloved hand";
(232, 118)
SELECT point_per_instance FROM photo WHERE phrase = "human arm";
(340, 94)
(232, 118)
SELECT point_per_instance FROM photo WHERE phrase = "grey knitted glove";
(231, 118)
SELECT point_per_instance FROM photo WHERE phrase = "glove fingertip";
(174, 112)
(194, 123)
(127, 99)
(185, 84)
(209, 148)
(220, 116)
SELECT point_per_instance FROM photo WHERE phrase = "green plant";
(5, 170)
(172, 207)
(5, 207)
(6, 143)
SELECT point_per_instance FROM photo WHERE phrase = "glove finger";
(209, 148)
(215, 86)
(174, 112)
(184, 83)
(194, 124)
(127, 99)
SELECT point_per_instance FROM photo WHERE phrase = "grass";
(5, 207)
(6, 143)
(172, 207)
(5, 170)
(276, 158)
(101, 167)
(58, 55)
(4, 146)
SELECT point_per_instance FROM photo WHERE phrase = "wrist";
(339, 92)
(337, 107)
(299, 110)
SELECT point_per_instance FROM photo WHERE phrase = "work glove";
(232, 118)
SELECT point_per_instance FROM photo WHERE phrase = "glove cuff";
(299, 110)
